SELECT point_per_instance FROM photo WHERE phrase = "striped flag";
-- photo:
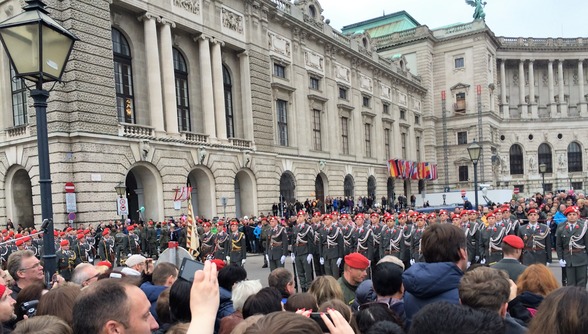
(192, 242)
(393, 167)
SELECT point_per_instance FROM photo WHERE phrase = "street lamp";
(542, 170)
(121, 191)
(474, 151)
(38, 49)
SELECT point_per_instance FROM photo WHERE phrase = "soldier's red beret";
(19, 242)
(356, 260)
(64, 242)
(80, 236)
(105, 232)
(532, 211)
(220, 264)
(301, 213)
(104, 263)
(491, 214)
(571, 209)
(514, 241)
(206, 224)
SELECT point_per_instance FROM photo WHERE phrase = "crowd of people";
(466, 271)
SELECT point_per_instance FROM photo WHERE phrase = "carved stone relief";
(365, 83)
(386, 91)
(402, 99)
(192, 6)
(314, 61)
(232, 20)
(279, 45)
(342, 73)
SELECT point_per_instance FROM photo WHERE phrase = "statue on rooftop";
(479, 5)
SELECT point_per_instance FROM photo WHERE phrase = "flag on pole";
(193, 241)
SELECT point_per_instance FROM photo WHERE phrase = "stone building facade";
(244, 101)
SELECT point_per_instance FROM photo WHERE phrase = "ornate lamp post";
(38, 49)
(474, 151)
(542, 170)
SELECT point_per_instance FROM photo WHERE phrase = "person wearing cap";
(66, 259)
(416, 254)
(302, 245)
(151, 236)
(571, 243)
(134, 242)
(106, 247)
(277, 244)
(376, 228)
(164, 238)
(473, 233)
(236, 246)
(354, 272)
(392, 241)
(407, 231)
(135, 265)
(121, 247)
(331, 247)
(6, 306)
(491, 241)
(265, 229)
(81, 248)
(349, 241)
(537, 239)
(512, 248)
(317, 228)
(207, 242)
(220, 250)
(364, 237)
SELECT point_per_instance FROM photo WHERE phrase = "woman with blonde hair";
(325, 288)
(534, 284)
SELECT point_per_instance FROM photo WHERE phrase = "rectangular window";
(366, 101)
(459, 62)
(344, 135)
(417, 119)
(548, 187)
(19, 100)
(387, 143)
(462, 138)
(418, 148)
(576, 185)
(368, 140)
(386, 109)
(314, 83)
(403, 143)
(460, 102)
(123, 80)
(343, 93)
(279, 71)
(316, 130)
(463, 174)
(183, 104)
(403, 114)
(282, 111)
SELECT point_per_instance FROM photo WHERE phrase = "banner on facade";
(411, 170)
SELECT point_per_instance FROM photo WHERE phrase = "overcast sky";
(511, 18)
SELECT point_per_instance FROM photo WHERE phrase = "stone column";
(522, 104)
(206, 86)
(218, 91)
(153, 75)
(551, 93)
(503, 103)
(582, 99)
(167, 73)
(563, 106)
(246, 96)
(532, 102)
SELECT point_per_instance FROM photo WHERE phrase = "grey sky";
(512, 18)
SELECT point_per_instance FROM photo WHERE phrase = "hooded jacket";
(426, 283)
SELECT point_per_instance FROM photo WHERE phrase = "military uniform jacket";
(237, 247)
(121, 244)
(151, 236)
(376, 234)
(66, 262)
(106, 250)
(416, 252)
(220, 251)
(331, 246)
(491, 243)
(512, 226)
(81, 250)
(392, 241)
(302, 239)
(537, 244)
(277, 244)
(134, 243)
(473, 234)
(571, 243)
(407, 231)
(207, 243)
(164, 239)
(349, 240)
(365, 244)
(316, 229)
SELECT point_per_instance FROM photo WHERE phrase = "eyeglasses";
(36, 265)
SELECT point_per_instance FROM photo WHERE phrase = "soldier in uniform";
(302, 244)
(571, 243)
(416, 254)
(444, 217)
(151, 240)
(121, 247)
(407, 231)
(106, 247)
(431, 219)
(491, 241)
(472, 230)
(236, 245)
(537, 239)
(348, 230)
(30, 246)
(376, 228)
(207, 243)
(277, 244)
(91, 241)
(134, 242)
(66, 260)
(512, 226)
(316, 230)
(363, 235)
(5, 251)
(164, 238)
(81, 248)
(331, 247)
(143, 238)
(220, 252)
(392, 242)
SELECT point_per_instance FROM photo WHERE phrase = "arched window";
(19, 99)
(182, 100)
(123, 77)
(348, 186)
(229, 103)
(544, 157)
(574, 157)
(516, 159)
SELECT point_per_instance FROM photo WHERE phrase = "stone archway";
(19, 196)
(390, 195)
(144, 189)
(349, 186)
(245, 194)
(203, 192)
(371, 187)
(288, 187)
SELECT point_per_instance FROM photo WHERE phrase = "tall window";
(229, 115)
(182, 100)
(403, 143)
(403, 114)
(418, 148)
(544, 157)
(344, 135)
(279, 71)
(386, 143)
(316, 130)
(366, 101)
(368, 140)
(462, 138)
(386, 108)
(574, 157)
(19, 100)
(463, 174)
(516, 159)
(282, 108)
(123, 77)
(342, 93)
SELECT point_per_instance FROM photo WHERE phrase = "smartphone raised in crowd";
(188, 268)
(316, 316)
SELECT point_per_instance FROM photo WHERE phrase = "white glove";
(483, 261)
(267, 257)
(469, 264)
(228, 259)
(283, 259)
(322, 260)
(547, 264)
(243, 262)
(412, 262)
(293, 257)
(562, 263)
(477, 258)
(339, 261)
(309, 258)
